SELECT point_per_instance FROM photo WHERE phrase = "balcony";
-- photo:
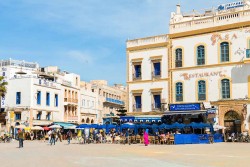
(137, 76)
(156, 74)
(137, 108)
(156, 107)
(115, 101)
(217, 18)
(70, 100)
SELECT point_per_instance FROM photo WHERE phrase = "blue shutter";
(56, 100)
(47, 99)
(137, 71)
(157, 101)
(138, 101)
(18, 97)
(157, 69)
(39, 97)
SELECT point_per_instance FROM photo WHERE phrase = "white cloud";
(79, 56)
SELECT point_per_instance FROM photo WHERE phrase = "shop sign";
(185, 107)
(231, 5)
(188, 76)
(216, 37)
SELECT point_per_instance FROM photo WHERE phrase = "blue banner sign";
(185, 107)
(231, 5)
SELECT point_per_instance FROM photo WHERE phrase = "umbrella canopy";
(55, 127)
(46, 128)
(177, 125)
(71, 127)
(37, 128)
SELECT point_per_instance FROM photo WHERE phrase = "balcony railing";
(202, 97)
(179, 97)
(137, 108)
(115, 101)
(156, 106)
(178, 63)
(137, 76)
(156, 74)
(70, 100)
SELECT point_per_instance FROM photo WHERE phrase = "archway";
(92, 121)
(83, 120)
(87, 121)
(232, 122)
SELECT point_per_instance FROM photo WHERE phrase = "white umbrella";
(218, 127)
(55, 127)
(37, 128)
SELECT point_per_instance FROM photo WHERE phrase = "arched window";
(178, 57)
(200, 55)
(225, 88)
(179, 91)
(201, 90)
(224, 51)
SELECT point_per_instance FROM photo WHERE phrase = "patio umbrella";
(71, 127)
(46, 128)
(37, 128)
(55, 127)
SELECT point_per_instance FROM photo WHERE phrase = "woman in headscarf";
(145, 136)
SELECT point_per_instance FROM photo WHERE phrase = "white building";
(147, 73)
(88, 104)
(39, 96)
(206, 56)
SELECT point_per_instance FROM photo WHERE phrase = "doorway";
(232, 122)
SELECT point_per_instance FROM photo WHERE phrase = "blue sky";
(86, 37)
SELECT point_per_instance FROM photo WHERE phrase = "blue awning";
(127, 119)
(148, 119)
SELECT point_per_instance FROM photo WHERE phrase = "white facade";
(88, 104)
(147, 82)
(224, 37)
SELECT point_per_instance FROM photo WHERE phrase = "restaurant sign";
(185, 107)
(231, 5)
(188, 76)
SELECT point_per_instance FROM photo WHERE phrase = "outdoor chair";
(163, 140)
(122, 140)
(117, 139)
(133, 139)
(156, 140)
(171, 140)
(108, 139)
(138, 139)
(152, 139)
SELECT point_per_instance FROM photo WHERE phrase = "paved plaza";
(40, 154)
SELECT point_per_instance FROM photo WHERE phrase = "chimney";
(178, 9)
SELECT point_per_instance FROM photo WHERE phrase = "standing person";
(31, 135)
(59, 135)
(127, 137)
(49, 134)
(53, 137)
(145, 136)
(69, 134)
(20, 138)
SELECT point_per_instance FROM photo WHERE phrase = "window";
(18, 97)
(56, 100)
(179, 91)
(200, 55)
(137, 102)
(178, 57)
(48, 116)
(18, 116)
(3, 74)
(224, 51)
(38, 98)
(225, 88)
(201, 90)
(247, 53)
(39, 115)
(48, 99)
(157, 69)
(157, 101)
(137, 74)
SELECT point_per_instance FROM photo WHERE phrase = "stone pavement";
(40, 154)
